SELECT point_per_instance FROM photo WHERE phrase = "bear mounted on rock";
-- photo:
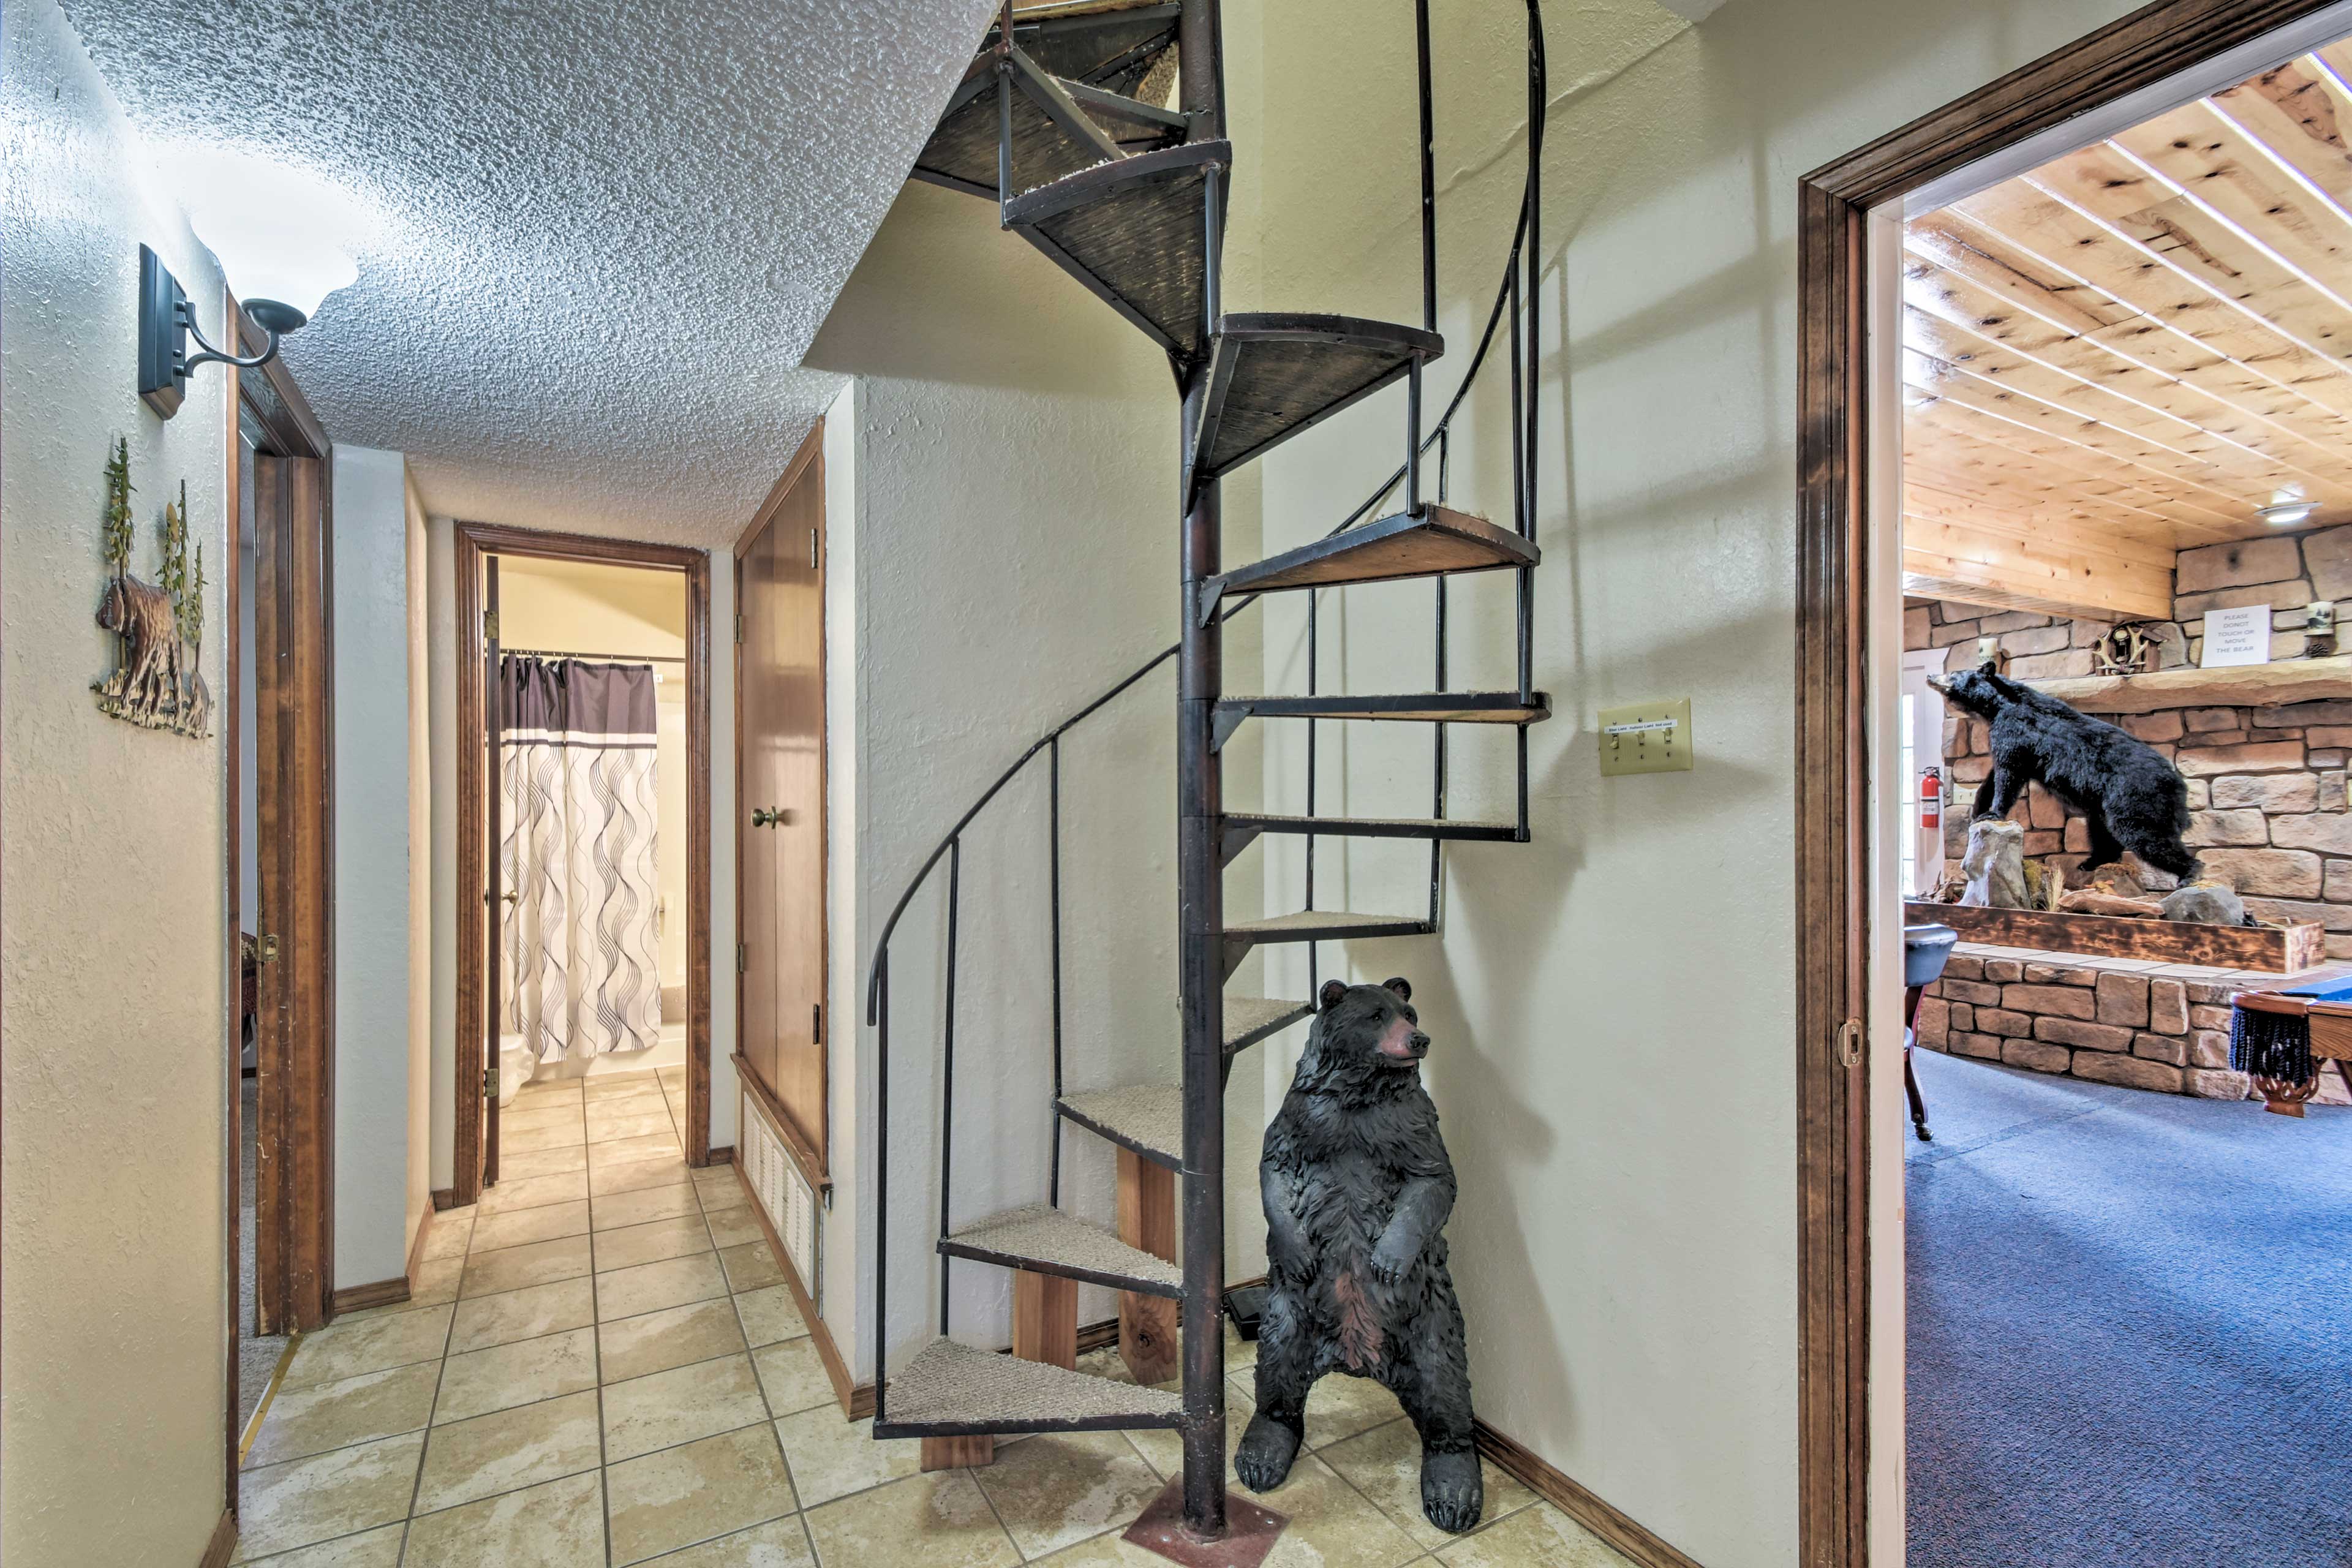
(1357, 1186)
(2129, 794)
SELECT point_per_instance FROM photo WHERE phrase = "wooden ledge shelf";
(2241, 686)
(2268, 950)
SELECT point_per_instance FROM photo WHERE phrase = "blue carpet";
(2130, 1328)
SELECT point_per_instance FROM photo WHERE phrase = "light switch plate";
(1646, 737)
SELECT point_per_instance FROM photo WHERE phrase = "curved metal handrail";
(1437, 433)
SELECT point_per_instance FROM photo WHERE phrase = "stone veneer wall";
(2266, 785)
(2123, 1021)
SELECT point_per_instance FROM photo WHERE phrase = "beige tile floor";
(601, 1366)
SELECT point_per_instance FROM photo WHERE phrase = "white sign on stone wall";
(2237, 636)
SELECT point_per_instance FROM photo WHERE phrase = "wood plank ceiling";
(2131, 350)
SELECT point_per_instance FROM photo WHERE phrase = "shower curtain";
(577, 777)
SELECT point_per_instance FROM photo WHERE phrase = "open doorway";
(582, 913)
(2073, 431)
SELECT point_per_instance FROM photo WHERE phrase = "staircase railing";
(1516, 300)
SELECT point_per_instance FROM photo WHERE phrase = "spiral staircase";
(1062, 119)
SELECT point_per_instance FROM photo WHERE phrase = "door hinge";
(490, 1084)
(738, 626)
(742, 958)
(817, 1023)
(1850, 1043)
(811, 548)
(490, 625)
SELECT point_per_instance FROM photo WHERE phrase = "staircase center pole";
(1201, 977)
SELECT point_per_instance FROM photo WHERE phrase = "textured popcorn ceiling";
(608, 230)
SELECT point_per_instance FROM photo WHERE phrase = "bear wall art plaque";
(1357, 1187)
(158, 626)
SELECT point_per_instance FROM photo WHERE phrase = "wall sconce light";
(276, 235)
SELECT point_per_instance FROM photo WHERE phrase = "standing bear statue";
(1356, 1188)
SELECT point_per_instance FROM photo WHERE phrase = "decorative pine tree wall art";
(157, 626)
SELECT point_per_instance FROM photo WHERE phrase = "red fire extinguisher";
(1931, 800)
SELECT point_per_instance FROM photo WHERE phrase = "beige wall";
(1610, 1003)
(414, 556)
(375, 1116)
(114, 1079)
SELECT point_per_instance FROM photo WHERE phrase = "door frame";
(474, 1044)
(1832, 718)
(813, 1155)
(302, 1232)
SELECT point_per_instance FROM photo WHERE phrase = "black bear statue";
(1356, 1188)
(2130, 796)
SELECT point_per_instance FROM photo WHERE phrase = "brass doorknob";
(769, 816)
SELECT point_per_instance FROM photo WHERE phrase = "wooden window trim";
(1833, 891)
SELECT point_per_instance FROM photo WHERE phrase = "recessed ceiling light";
(2286, 514)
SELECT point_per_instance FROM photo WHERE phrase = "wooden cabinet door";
(780, 827)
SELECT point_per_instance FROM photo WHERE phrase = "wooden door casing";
(293, 1065)
(474, 542)
(781, 775)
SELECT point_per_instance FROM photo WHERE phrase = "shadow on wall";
(1005, 316)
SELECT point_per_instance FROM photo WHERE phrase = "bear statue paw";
(1263, 1460)
(1453, 1495)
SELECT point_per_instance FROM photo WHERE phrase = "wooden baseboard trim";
(444, 1199)
(856, 1398)
(1556, 1488)
(219, 1549)
(724, 1155)
(416, 1244)
(358, 1297)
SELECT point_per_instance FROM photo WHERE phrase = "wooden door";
(293, 1198)
(780, 797)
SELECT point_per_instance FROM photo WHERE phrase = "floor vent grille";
(783, 1194)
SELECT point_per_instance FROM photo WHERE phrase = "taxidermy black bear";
(1357, 1186)
(2131, 798)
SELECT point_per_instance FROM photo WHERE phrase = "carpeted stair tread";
(1049, 1241)
(1147, 1118)
(1249, 1019)
(953, 1385)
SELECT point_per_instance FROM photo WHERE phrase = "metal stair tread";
(1272, 375)
(1048, 1241)
(1131, 231)
(1112, 45)
(1409, 707)
(1375, 826)
(1439, 542)
(950, 1389)
(961, 152)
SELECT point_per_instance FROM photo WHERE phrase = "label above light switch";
(1646, 737)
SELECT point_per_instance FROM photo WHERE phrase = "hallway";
(602, 1364)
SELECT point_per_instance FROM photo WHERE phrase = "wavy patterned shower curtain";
(580, 814)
